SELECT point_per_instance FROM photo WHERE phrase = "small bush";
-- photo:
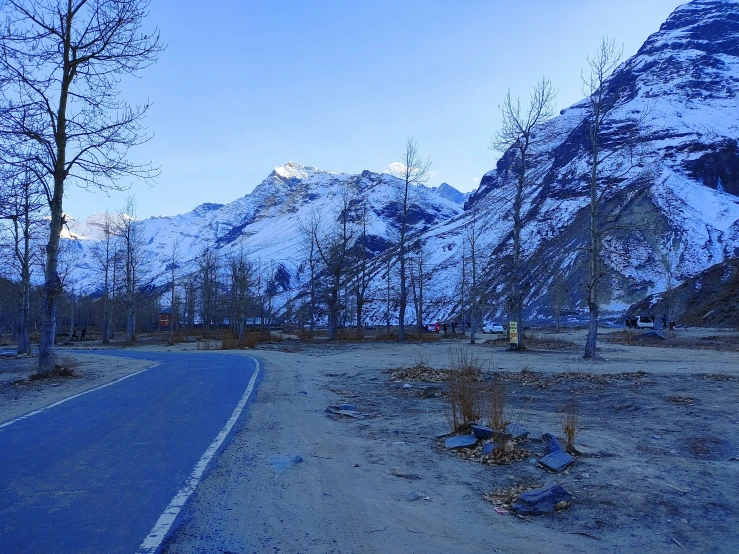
(465, 398)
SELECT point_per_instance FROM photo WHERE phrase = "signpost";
(513, 332)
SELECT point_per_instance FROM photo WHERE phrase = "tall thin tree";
(413, 170)
(518, 134)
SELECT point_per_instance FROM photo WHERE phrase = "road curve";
(97, 473)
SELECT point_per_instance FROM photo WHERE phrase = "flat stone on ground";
(557, 461)
(541, 501)
(482, 432)
(460, 441)
(516, 431)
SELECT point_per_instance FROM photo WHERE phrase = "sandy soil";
(659, 475)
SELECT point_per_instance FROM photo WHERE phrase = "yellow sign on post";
(513, 332)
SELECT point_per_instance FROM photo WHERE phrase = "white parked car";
(493, 327)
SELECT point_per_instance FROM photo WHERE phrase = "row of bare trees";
(613, 151)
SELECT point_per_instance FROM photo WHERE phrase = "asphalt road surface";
(109, 470)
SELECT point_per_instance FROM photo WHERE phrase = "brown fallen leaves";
(507, 495)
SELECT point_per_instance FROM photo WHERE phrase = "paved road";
(96, 473)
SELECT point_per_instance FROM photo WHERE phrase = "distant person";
(445, 327)
(84, 332)
(664, 321)
(436, 326)
(74, 334)
(454, 330)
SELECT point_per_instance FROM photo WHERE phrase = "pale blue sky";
(246, 86)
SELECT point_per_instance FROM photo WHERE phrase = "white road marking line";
(63, 400)
(154, 539)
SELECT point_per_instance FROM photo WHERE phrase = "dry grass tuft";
(464, 402)
(496, 397)
(568, 420)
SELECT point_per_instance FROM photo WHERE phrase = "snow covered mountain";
(679, 209)
(266, 223)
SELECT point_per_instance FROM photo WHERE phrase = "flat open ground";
(659, 424)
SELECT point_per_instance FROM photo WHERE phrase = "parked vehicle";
(640, 322)
(493, 327)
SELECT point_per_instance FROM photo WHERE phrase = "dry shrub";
(496, 397)
(465, 398)
(568, 420)
(65, 366)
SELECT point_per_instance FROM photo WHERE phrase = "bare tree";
(103, 253)
(558, 293)
(473, 230)
(61, 62)
(23, 207)
(413, 171)
(208, 274)
(309, 232)
(174, 299)
(130, 234)
(520, 135)
(333, 247)
(361, 277)
(614, 152)
(241, 283)
(417, 271)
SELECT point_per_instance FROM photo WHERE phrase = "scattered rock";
(557, 461)
(584, 450)
(516, 431)
(283, 462)
(413, 496)
(336, 410)
(551, 443)
(407, 386)
(536, 437)
(403, 475)
(482, 432)
(544, 500)
(460, 441)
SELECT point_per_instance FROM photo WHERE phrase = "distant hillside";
(709, 298)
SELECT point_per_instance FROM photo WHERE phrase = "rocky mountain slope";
(677, 211)
(679, 206)
(709, 298)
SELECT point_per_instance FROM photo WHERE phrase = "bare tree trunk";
(52, 284)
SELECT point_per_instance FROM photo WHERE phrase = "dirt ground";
(660, 472)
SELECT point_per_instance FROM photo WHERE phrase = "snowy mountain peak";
(445, 190)
(294, 171)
